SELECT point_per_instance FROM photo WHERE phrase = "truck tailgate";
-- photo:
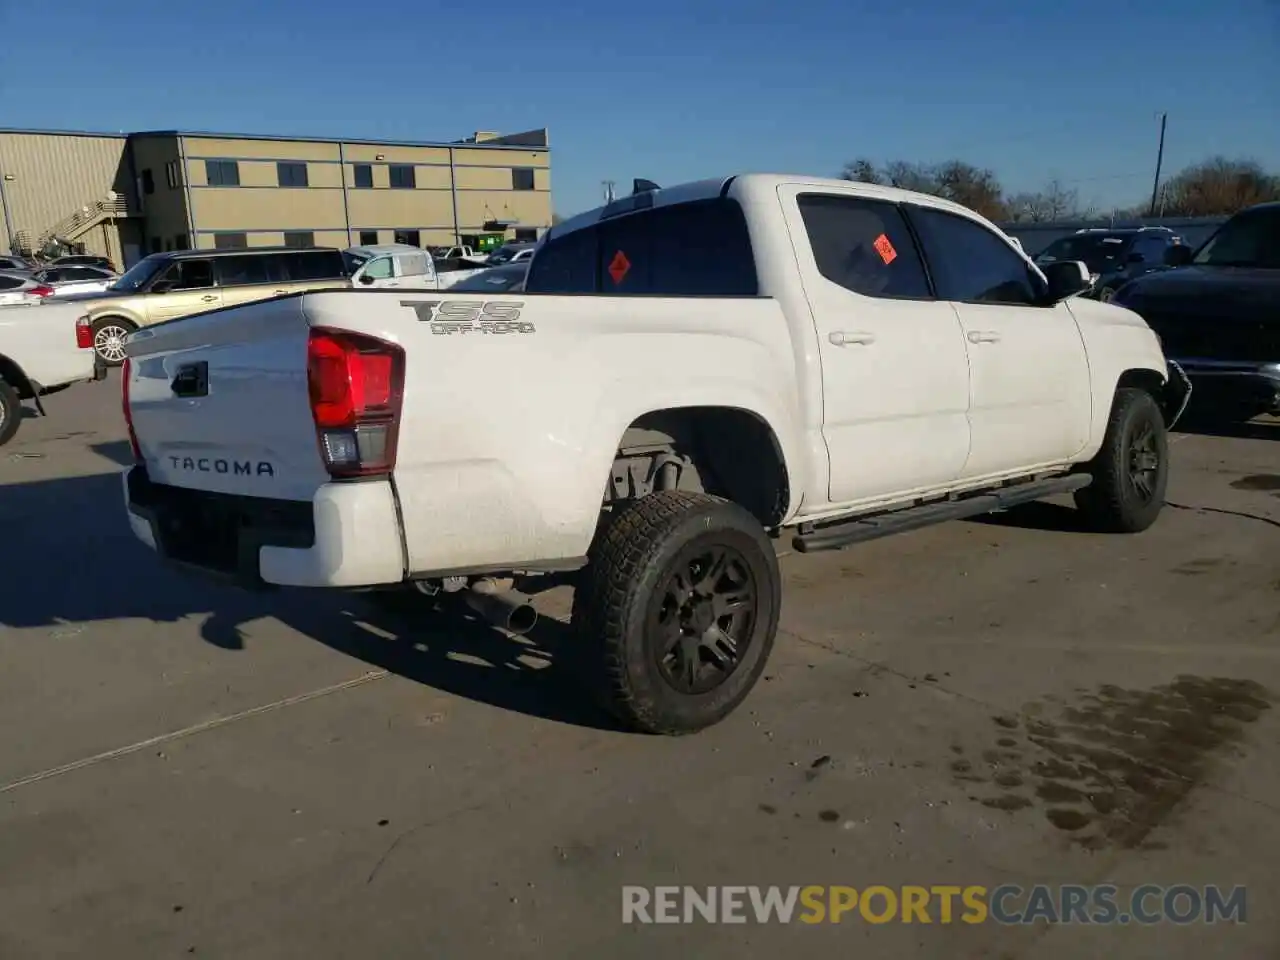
(219, 402)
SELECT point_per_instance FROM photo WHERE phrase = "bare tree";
(1219, 186)
(861, 171)
(956, 180)
(1054, 202)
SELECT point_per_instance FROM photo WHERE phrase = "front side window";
(970, 264)
(139, 274)
(863, 246)
(290, 174)
(379, 269)
(1151, 249)
(186, 275)
(222, 173)
(1249, 239)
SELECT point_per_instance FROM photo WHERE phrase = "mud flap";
(1176, 394)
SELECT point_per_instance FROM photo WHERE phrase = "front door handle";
(281, 292)
(984, 336)
(843, 338)
(208, 298)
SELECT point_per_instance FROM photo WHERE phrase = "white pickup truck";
(42, 350)
(690, 373)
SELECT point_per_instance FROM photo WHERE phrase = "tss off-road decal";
(470, 316)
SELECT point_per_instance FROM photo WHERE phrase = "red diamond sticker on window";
(618, 267)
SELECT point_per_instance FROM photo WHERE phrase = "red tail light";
(356, 384)
(126, 374)
(41, 291)
(84, 333)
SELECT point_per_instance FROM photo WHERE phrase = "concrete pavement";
(192, 771)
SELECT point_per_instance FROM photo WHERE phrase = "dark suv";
(1114, 256)
(1218, 314)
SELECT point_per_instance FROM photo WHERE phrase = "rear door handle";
(843, 338)
(282, 292)
(984, 336)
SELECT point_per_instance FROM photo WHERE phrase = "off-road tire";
(10, 412)
(1114, 502)
(630, 563)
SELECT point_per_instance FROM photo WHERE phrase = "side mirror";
(1178, 255)
(366, 279)
(1066, 279)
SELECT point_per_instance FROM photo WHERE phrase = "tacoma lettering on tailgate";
(239, 468)
(470, 316)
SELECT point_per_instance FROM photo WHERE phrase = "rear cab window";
(698, 248)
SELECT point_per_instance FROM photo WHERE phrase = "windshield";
(496, 280)
(1249, 239)
(137, 276)
(1099, 252)
(353, 261)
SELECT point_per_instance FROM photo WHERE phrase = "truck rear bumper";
(348, 535)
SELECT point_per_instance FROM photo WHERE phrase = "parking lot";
(192, 770)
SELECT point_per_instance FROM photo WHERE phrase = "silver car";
(21, 288)
(76, 279)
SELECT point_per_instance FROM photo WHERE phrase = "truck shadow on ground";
(71, 558)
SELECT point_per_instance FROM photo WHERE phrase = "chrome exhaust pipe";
(508, 609)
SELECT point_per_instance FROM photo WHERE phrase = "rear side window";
(863, 245)
(971, 264)
(315, 265)
(237, 271)
(10, 283)
(692, 249)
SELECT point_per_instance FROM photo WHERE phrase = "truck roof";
(378, 249)
(753, 185)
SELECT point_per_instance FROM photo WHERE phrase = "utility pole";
(1155, 187)
(608, 190)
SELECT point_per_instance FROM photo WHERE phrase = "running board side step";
(842, 533)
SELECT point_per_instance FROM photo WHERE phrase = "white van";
(398, 265)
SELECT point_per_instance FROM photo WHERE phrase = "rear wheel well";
(12, 374)
(724, 451)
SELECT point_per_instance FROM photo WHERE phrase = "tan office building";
(127, 196)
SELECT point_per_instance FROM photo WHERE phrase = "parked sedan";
(21, 288)
(10, 264)
(84, 260)
(76, 279)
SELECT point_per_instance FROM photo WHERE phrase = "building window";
(364, 176)
(222, 173)
(291, 174)
(171, 175)
(157, 244)
(526, 234)
(180, 242)
(411, 237)
(368, 238)
(230, 241)
(522, 178)
(402, 177)
(148, 181)
(299, 238)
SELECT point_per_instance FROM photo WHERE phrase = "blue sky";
(674, 90)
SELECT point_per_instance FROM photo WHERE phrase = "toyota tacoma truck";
(691, 374)
(43, 349)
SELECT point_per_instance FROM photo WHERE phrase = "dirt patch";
(1114, 765)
